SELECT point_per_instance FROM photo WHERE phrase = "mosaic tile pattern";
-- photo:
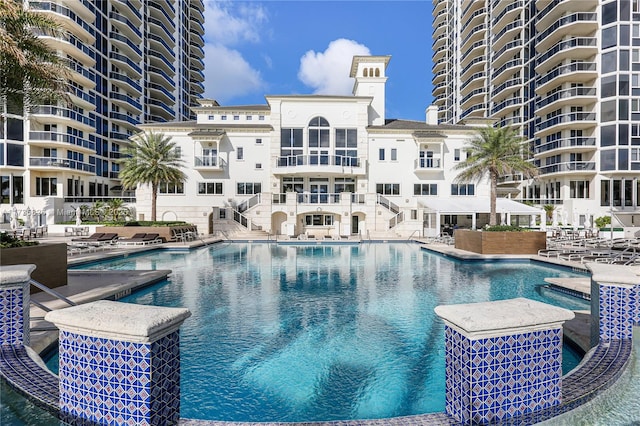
(618, 312)
(495, 378)
(13, 316)
(114, 382)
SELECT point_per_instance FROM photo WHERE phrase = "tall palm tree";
(28, 67)
(152, 159)
(496, 151)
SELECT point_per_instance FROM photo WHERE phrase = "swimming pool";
(322, 332)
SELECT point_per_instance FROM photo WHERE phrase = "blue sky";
(263, 48)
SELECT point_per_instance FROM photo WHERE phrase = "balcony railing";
(566, 118)
(571, 166)
(428, 163)
(566, 45)
(61, 162)
(582, 17)
(318, 160)
(62, 137)
(565, 143)
(125, 59)
(566, 69)
(318, 198)
(64, 112)
(208, 161)
(506, 103)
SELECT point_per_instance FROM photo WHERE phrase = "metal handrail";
(50, 292)
(409, 237)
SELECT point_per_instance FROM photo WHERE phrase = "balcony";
(125, 45)
(125, 100)
(158, 24)
(427, 165)
(55, 163)
(476, 33)
(574, 167)
(67, 18)
(507, 34)
(129, 84)
(509, 121)
(476, 80)
(507, 14)
(476, 65)
(209, 163)
(439, 18)
(82, 98)
(82, 75)
(68, 117)
(160, 77)
(62, 140)
(159, 60)
(578, 72)
(578, 120)
(439, 77)
(320, 165)
(161, 92)
(125, 26)
(553, 10)
(576, 144)
(69, 45)
(474, 97)
(506, 106)
(505, 71)
(575, 48)
(506, 89)
(156, 106)
(126, 64)
(470, 8)
(155, 7)
(128, 119)
(576, 24)
(507, 52)
(475, 50)
(476, 18)
(475, 111)
(158, 43)
(577, 96)
(128, 9)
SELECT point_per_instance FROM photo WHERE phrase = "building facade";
(130, 62)
(327, 166)
(567, 75)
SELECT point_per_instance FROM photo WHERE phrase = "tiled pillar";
(617, 288)
(119, 363)
(14, 304)
(503, 358)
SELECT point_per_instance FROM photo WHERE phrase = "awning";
(471, 205)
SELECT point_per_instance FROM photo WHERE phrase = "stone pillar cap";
(614, 274)
(13, 274)
(503, 317)
(119, 321)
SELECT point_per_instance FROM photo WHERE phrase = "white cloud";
(227, 74)
(328, 72)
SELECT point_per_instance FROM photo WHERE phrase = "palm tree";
(496, 151)
(116, 208)
(152, 159)
(549, 208)
(27, 65)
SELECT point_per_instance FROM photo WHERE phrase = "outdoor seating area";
(28, 233)
(141, 239)
(184, 234)
(619, 251)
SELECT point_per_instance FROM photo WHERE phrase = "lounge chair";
(135, 239)
(151, 239)
(93, 237)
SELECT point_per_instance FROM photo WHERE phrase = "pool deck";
(85, 286)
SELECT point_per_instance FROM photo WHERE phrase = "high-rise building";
(566, 73)
(131, 62)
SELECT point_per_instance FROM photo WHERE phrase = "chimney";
(432, 114)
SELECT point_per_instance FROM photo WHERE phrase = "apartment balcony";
(156, 59)
(550, 12)
(160, 44)
(428, 165)
(475, 50)
(129, 10)
(506, 15)
(197, 27)
(61, 141)
(124, 118)
(439, 7)
(578, 72)
(507, 106)
(438, 44)
(314, 165)
(70, 45)
(472, 98)
(469, 7)
(82, 98)
(125, 64)
(475, 19)
(510, 180)
(570, 167)
(478, 110)
(123, 137)
(114, 175)
(158, 27)
(66, 17)
(573, 121)
(576, 48)
(196, 63)
(439, 77)
(576, 144)
(507, 70)
(209, 163)
(48, 164)
(82, 75)
(440, 100)
(576, 96)
(159, 76)
(478, 64)
(577, 24)
(125, 26)
(506, 53)
(440, 30)
(475, 81)
(510, 121)
(439, 54)
(46, 114)
(161, 108)
(160, 92)
(196, 49)
(125, 101)
(440, 16)
(439, 65)
(478, 32)
(507, 34)
(439, 89)
(164, 12)
(196, 13)
(506, 89)
(126, 46)
(126, 82)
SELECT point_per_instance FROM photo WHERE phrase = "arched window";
(319, 141)
(365, 73)
(370, 72)
(377, 72)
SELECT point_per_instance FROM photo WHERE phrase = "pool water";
(304, 333)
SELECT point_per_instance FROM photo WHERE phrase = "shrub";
(504, 228)
(602, 221)
(9, 241)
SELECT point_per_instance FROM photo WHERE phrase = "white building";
(322, 166)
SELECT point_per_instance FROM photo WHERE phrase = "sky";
(275, 47)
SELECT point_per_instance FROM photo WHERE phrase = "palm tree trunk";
(154, 198)
(493, 177)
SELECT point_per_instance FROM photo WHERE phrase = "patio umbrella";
(554, 218)
(14, 218)
(587, 222)
(34, 218)
(78, 216)
(565, 217)
(576, 220)
(532, 221)
(27, 218)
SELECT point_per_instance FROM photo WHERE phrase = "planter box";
(50, 261)
(500, 242)
(165, 232)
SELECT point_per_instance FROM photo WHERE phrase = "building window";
(248, 188)
(463, 189)
(177, 151)
(291, 144)
(456, 154)
(318, 220)
(210, 188)
(223, 117)
(258, 166)
(13, 189)
(425, 189)
(394, 154)
(381, 154)
(261, 117)
(212, 117)
(171, 188)
(259, 141)
(249, 117)
(579, 189)
(240, 153)
(346, 147)
(388, 188)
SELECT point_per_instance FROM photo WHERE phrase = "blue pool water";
(301, 333)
